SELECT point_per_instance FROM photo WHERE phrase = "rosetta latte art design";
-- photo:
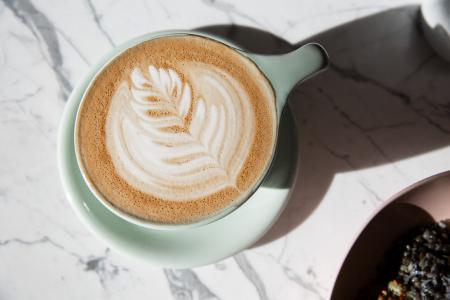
(180, 135)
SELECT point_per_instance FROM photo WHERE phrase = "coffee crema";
(176, 129)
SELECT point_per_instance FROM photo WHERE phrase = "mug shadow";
(384, 98)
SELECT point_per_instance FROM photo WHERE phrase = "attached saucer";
(182, 248)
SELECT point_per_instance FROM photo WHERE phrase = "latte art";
(176, 129)
(164, 141)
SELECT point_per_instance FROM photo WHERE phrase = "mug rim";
(112, 55)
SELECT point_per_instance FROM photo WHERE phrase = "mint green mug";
(282, 71)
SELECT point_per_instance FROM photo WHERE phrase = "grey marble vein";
(97, 20)
(420, 66)
(22, 38)
(164, 8)
(105, 270)
(372, 192)
(285, 244)
(293, 276)
(364, 131)
(24, 242)
(23, 74)
(370, 139)
(72, 44)
(23, 98)
(230, 10)
(37, 123)
(185, 285)
(389, 126)
(44, 32)
(343, 157)
(358, 77)
(6, 195)
(97, 264)
(293, 24)
(441, 108)
(43, 240)
(220, 266)
(352, 122)
(346, 159)
(251, 275)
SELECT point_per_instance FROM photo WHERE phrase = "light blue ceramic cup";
(283, 72)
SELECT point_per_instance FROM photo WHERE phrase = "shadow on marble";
(384, 98)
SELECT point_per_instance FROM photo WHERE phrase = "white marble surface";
(375, 122)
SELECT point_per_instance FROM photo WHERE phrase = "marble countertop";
(375, 122)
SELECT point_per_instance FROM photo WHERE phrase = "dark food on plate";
(424, 272)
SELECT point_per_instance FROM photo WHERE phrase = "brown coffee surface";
(176, 129)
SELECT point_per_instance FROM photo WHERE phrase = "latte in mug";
(176, 129)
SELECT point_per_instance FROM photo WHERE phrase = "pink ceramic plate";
(424, 202)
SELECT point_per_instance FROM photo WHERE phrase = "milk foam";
(180, 135)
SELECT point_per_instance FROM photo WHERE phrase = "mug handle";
(287, 70)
